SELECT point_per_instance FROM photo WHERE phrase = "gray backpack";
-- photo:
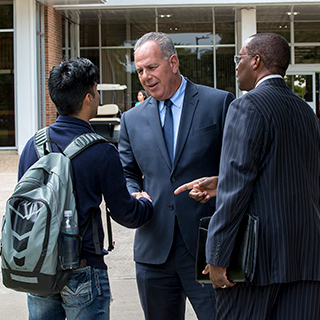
(31, 225)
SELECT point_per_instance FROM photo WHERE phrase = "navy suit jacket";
(270, 168)
(147, 166)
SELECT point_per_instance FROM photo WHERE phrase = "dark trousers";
(163, 288)
(281, 301)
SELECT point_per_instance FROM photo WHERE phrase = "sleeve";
(228, 99)
(241, 149)
(131, 169)
(124, 208)
(27, 159)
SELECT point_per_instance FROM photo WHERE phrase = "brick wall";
(53, 53)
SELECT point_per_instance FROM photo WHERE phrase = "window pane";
(224, 25)
(113, 28)
(7, 123)
(301, 85)
(6, 16)
(226, 76)
(274, 19)
(114, 70)
(187, 26)
(306, 13)
(307, 54)
(307, 31)
(197, 64)
(91, 54)
(141, 21)
(135, 84)
(282, 28)
(89, 35)
(89, 28)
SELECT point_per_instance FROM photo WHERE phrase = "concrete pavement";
(125, 304)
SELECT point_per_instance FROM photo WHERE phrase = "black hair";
(273, 49)
(145, 95)
(69, 82)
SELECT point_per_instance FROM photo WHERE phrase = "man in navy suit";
(165, 249)
(270, 168)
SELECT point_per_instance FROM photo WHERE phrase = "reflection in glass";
(191, 30)
(91, 54)
(274, 19)
(89, 35)
(224, 25)
(196, 64)
(282, 28)
(226, 76)
(6, 16)
(307, 54)
(192, 38)
(113, 28)
(306, 31)
(114, 69)
(187, 26)
(307, 13)
(7, 123)
(301, 85)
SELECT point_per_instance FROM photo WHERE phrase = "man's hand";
(218, 276)
(141, 194)
(201, 189)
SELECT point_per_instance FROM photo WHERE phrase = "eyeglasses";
(237, 58)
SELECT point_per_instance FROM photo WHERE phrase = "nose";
(144, 74)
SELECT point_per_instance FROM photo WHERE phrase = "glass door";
(304, 85)
(7, 114)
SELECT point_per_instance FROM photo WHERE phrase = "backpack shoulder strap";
(41, 142)
(76, 146)
(82, 142)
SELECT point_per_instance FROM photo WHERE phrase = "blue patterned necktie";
(168, 128)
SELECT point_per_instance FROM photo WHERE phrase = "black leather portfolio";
(244, 254)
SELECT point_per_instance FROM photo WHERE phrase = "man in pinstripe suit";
(270, 167)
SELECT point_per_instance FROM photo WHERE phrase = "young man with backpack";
(97, 173)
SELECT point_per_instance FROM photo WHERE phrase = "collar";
(177, 98)
(67, 120)
(271, 76)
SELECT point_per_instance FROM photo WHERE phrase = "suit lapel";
(155, 124)
(189, 106)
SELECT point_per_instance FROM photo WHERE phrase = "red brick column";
(53, 53)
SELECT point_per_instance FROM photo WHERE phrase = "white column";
(248, 23)
(25, 71)
(248, 28)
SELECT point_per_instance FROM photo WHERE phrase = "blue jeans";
(85, 296)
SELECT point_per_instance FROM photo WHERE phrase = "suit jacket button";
(173, 179)
(171, 206)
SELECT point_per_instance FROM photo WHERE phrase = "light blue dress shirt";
(177, 103)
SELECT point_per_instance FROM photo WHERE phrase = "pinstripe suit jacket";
(270, 167)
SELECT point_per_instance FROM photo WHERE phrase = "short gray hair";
(163, 41)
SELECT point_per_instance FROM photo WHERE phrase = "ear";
(256, 62)
(89, 97)
(174, 63)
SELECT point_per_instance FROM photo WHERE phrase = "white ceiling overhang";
(72, 2)
(103, 4)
